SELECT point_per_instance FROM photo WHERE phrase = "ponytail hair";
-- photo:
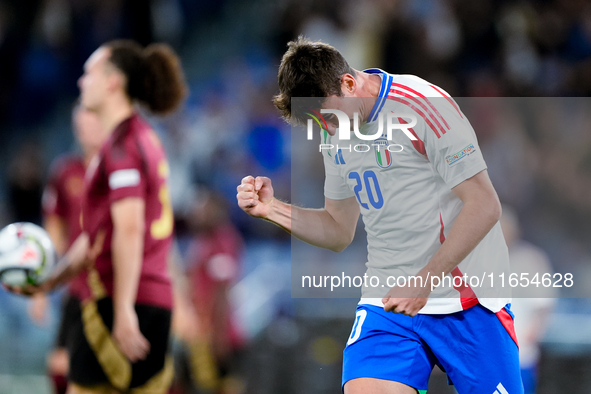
(154, 74)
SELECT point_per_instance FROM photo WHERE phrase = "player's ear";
(348, 84)
(116, 81)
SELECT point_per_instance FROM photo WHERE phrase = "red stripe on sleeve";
(422, 105)
(417, 110)
(418, 144)
(423, 97)
(451, 101)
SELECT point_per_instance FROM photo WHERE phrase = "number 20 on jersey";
(370, 182)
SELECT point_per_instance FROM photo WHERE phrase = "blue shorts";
(476, 348)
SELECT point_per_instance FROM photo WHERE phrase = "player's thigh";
(376, 386)
(74, 388)
(477, 349)
(383, 346)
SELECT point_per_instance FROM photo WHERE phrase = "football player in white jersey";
(429, 210)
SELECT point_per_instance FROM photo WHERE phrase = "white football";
(27, 255)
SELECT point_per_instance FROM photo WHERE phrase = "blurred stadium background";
(539, 159)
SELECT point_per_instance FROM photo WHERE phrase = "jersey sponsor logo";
(124, 178)
(468, 150)
(501, 389)
(383, 155)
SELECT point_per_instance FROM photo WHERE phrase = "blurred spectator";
(531, 305)
(25, 184)
(214, 264)
(62, 207)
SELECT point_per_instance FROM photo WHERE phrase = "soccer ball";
(27, 255)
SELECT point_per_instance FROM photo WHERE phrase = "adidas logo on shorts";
(501, 389)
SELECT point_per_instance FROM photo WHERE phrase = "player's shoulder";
(430, 101)
(124, 141)
(139, 124)
(128, 130)
(414, 85)
(66, 163)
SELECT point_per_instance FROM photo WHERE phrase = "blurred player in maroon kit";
(62, 204)
(213, 267)
(121, 342)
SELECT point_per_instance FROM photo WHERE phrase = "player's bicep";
(345, 212)
(479, 190)
(475, 187)
(57, 228)
(128, 215)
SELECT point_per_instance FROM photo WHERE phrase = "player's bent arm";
(481, 211)
(127, 249)
(57, 229)
(331, 227)
(73, 261)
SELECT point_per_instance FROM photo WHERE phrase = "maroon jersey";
(63, 197)
(132, 163)
(214, 259)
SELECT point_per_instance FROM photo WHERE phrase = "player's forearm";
(127, 252)
(280, 214)
(474, 221)
(56, 227)
(314, 226)
(71, 263)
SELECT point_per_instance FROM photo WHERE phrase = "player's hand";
(185, 322)
(31, 290)
(406, 300)
(255, 196)
(37, 309)
(27, 290)
(127, 335)
(84, 252)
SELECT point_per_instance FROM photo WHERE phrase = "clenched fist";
(255, 196)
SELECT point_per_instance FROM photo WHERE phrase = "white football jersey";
(405, 195)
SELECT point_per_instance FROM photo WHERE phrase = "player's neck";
(368, 84)
(114, 112)
(88, 155)
(368, 88)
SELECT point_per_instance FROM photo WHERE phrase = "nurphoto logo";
(345, 124)
(393, 121)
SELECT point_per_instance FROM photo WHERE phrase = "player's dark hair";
(308, 69)
(154, 74)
